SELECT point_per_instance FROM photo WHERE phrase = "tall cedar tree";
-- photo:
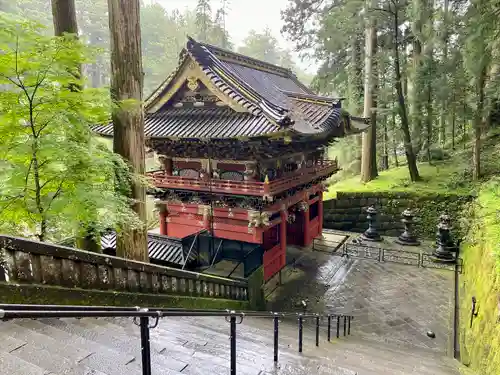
(128, 118)
(64, 19)
(395, 13)
(369, 142)
(203, 19)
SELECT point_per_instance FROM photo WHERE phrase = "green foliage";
(442, 52)
(264, 46)
(449, 176)
(480, 345)
(56, 177)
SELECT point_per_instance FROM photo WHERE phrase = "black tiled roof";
(276, 101)
(162, 248)
(200, 123)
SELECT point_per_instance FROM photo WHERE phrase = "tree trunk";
(64, 17)
(429, 65)
(428, 121)
(453, 121)
(369, 141)
(128, 118)
(393, 132)
(464, 123)
(410, 155)
(478, 124)
(444, 102)
(404, 59)
(385, 153)
(355, 87)
(416, 102)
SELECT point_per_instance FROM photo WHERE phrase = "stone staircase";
(197, 346)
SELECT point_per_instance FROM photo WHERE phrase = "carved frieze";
(303, 206)
(258, 219)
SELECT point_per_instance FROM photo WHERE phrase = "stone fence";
(28, 262)
(348, 211)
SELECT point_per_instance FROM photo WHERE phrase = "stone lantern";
(371, 233)
(444, 252)
(444, 218)
(407, 238)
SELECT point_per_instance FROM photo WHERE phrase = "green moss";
(256, 290)
(441, 178)
(427, 208)
(50, 295)
(480, 345)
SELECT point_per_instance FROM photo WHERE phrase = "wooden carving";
(257, 219)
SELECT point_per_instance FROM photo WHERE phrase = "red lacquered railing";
(255, 188)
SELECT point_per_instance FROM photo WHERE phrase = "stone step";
(198, 346)
(40, 341)
(116, 339)
(12, 365)
(130, 348)
(308, 369)
(53, 363)
(66, 336)
(8, 343)
(355, 355)
(418, 354)
(101, 358)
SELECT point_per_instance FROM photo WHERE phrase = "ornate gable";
(189, 86)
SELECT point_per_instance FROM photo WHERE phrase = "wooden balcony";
(322, 168)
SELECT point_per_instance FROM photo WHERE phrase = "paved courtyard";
(391, 302)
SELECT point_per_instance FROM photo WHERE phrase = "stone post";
(408, 238)
(371, 234)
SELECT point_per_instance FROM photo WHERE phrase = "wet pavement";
(197, 346)
(392, 303)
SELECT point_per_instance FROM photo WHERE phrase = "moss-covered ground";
(480, 344)
(52, 295)
(450, 176)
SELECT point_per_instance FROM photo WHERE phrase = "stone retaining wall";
(28, 262)
(348, 211)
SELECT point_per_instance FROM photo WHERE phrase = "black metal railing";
(418, 259)
(142, 317)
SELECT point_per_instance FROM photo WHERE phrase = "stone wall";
(24, 262)
(348, 211)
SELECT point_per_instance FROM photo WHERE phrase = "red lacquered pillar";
(163, 222)
(306, 227)
(283, 216)
(320, 213)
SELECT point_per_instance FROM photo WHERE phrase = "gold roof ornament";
(192, 83)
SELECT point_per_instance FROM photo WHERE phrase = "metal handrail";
(216, 252)
(189, 252)
(23, 311)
